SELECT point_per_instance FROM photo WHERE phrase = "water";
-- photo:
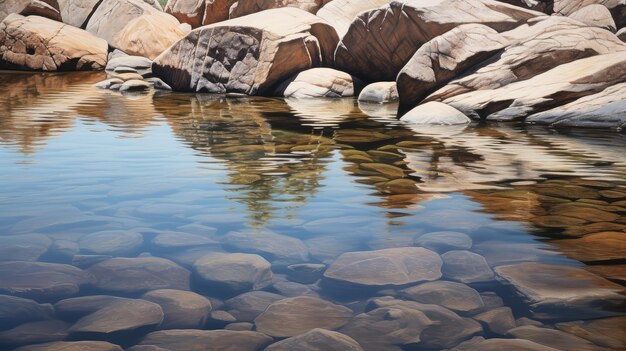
(336, 176)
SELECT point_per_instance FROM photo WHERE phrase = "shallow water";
(337, 175)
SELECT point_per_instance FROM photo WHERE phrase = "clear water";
(77, 160)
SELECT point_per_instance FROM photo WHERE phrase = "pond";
(282, 216)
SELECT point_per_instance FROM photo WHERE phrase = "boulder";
(435, 113)
(444, 58)
(387, 267)
(233, 272)
(498, 321)
(319, 82)
(134, 27)
(34, 333)
(43, 8)
(120, 316)
(198, 13)
(16, 310)
(247, 7)
(555, 289)
(279, 249)
(181, 309)
(38, 43)
(466, 267)
(568, 7)
(553, 338)
(77, 12)
(381, 41)
(138, 275)
(595, 15)
(249, 54)
(111, 242)
(379, 93)
(454, 296)
(199, 340)
(606, 109)
(77, 307)
(297, 315)
(41, 281)
(72, 346)
(341, 13)
(556, 87)
(247, 306)
(444, 241)
(536, 47)
(27, 247)
(317, 340)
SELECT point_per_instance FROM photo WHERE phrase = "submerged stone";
(120, 316)
(317, 340)
(27, 247)
(466, 267)
(77, 307)
(16, 310)
(35, 333)
(247, 306)
(234, 272)
(498, 321)
(502, 344)
(280, 249)
(305, 273)
(181, 309)
(199, 340)
(553, 338)
(112, 242)
(455, 296)
(444, 241)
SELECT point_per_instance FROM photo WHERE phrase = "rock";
(197, 340)
(502, 344)
(291, 289)
(444, 58)
(466, 267)
(297, 315)
(280, 249)
(135, 85)
(387, 267)
(443, 330)
(120, 316)
(108, 83)
(221, 318)
(86, 261)
(199, 12)
(379, 93)
(72, 346)
(603, 246)
(27, 247)
(568, 7)
(247, 306)
(434, 113)
(536, 5)
(177, 240)
(605, 109)
(124, 69)
(374, 50)
(305, 273)
(491, 300)
(112, 242)
(553, 338)
(341, 13)
(76, 12)
(249, 54)
(16, 310)
(138, 63)
(454, 296)
(41, 281)
(444, 241)
(595, 15)
(77, 307)
(34, 333)
(242, 326)
(247, 7)
(601, 332)
(146, 348)
(621, 34)
(234, 272)
(38, 43)
(138, 275)
(134, 27)
(317, 340)
(319, 82)
(181, 309)
(564, 289)
(43, 8)
(62, 250)
(157, 83)
(498, 321)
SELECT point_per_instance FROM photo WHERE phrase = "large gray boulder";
(381, 41)
(38, 43)
(249, 54)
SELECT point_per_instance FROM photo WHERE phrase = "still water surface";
(336, 176)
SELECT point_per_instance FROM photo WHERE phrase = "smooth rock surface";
(454, 296)
(16, 310)
(35, 333)
(553, 338)
(305, 273)
(120, 316)
(297, 315)
(247, 7)
(38, 43)
(113, 242)
(435, 113)
(247, 306)
(134, 85)
(249, 54)
(499, 320)
(595, 15)
(77, 307)
(341, 13)
(319, 82)
(444, 241)
(27, 247)
(138, 275)
(277, 248)
(76, 12)
(72, 346)
(234, 272)
(317, 340)
(181, 309)
(198, 340)
(502, 344)
(43, 8)
(387, 267)
(466, 267)
(379, 93)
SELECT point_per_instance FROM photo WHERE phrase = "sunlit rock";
(138, 275)
(434, 113)
(379, 93)
(233, 272)
(319, 82)
(341, 13)
(595, 15)
(387, 267)
(297, 315)
(246, 7)
(43, 8)
(181, 309)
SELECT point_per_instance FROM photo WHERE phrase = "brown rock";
(455, 296)
(605, 332)
(595, 247)
(234, 272)
(16, 310)
(199, 340)
(181, 309)
(43, 8)
(498, 321)
(317, 340)
(35, 333)
(247, 7)
(38, 43)
(341, 13)
(72, 346)
(553, 338)
(120, 316)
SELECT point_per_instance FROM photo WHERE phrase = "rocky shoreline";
(560, 63)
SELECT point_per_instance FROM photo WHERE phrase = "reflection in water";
(325, 176)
